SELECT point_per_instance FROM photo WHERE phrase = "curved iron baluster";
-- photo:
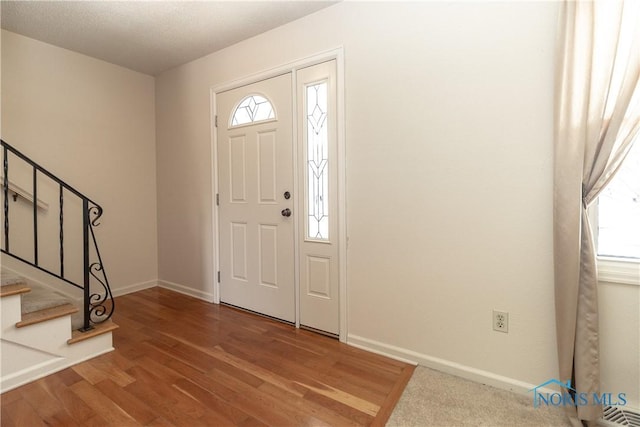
(98, 310)
(95, 210)
(101, 303)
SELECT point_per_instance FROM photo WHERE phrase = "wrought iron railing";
(98, 305)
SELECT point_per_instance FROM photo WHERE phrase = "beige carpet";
(41, 297)
(435, 399)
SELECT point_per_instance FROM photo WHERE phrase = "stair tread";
(8, 278)
(42, 297)
(14, 289)
(99, 329)
(46, 314)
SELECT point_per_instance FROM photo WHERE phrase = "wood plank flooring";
(180, 361)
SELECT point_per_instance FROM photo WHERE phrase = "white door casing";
(255, 169)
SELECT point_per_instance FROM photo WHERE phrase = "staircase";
(37, 334)
(45, 327)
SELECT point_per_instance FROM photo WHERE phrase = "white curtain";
(597, 116)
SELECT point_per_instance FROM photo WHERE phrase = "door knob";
(286, 212)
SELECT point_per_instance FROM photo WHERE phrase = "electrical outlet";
(500, 321)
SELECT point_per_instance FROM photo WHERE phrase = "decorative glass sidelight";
(317, 162)
(253, 108)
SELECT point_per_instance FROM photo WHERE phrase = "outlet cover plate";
(500, 321)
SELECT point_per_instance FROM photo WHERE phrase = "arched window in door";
(252, 109)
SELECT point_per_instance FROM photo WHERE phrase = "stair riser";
(10, 307)
(50, 336)
(76, 353)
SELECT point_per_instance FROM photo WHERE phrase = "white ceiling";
(149, 36)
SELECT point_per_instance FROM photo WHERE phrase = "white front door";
(255, 173)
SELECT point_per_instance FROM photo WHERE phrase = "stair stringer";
(31, 276)
(37, 350)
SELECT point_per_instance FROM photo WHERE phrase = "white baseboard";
(377, 347)
(134, 288)
(443, 365)
(48, 281)
(206, 296)
(163, 284)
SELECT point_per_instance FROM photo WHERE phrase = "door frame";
(336, 54)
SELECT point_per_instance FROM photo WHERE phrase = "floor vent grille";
(621, 417)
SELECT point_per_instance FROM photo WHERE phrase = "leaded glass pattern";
(253, 108)
(317, 162)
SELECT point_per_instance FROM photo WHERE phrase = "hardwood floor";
(184, 362)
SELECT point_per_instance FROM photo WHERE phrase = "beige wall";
(92, 124)
(449, 169)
